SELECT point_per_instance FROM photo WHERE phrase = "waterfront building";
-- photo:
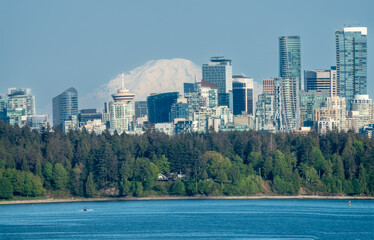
(321, 81)
(268, 85)
(290, 59)
(219, 71)
(64, 106)
(242, 94)
(351, 62)
(159, 106)
(141, 109)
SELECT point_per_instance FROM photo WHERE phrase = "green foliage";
(178, 188)
(6, 188)
(227, 163)
(59, 177)
(90, 187)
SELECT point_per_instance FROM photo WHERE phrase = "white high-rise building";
(120, 110)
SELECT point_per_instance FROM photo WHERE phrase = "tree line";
(84, 164)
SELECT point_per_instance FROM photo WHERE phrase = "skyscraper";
(351, 62)
(242, 92)
(120, 110)
(287, 104)
(64, 106)
(159, 106)
(289, 58)
(219, 71)
(321, 80)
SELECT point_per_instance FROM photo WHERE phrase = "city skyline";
(42, 46)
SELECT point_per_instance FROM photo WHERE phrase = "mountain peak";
(163, 75)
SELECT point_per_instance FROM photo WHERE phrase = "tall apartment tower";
(219, 71)
(321, 80)
(351, 62)
(287, 104)
(64, 106)
(242, 92)
(289, 58)
(21, 98)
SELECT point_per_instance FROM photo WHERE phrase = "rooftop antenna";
(123, 80)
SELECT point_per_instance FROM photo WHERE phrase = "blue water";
(190, 219)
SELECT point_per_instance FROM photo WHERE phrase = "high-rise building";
(286, 104)
(351, 62)
(64, 106)
(242, 94)
(264, 119)
(268, 85)
(120, 110)
(321, 80)
(159, 106)
(86, 115)
(309, 101)
(21, 98)
(289, 58)
(16, 105)
(140, 109)
(219, 71)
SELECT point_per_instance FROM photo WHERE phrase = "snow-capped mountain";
(164, 75)
(155, 76)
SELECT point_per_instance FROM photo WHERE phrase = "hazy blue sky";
(50, 46)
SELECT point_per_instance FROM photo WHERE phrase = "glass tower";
(289, 58)
(65, 105)
(351, 62)
(219, 71)
(159, 106)
(242, 95)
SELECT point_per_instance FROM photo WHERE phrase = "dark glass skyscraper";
(64, 106)
(351, 62)
(159, 106)
(242, 94)
(290, 59)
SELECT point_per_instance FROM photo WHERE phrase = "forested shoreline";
(83, 164)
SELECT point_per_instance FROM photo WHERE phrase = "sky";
(49, 46)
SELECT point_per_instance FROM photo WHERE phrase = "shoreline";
(258, 197)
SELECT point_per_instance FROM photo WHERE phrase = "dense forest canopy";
(226, 163)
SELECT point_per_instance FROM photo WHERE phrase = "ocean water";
(190, 219)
